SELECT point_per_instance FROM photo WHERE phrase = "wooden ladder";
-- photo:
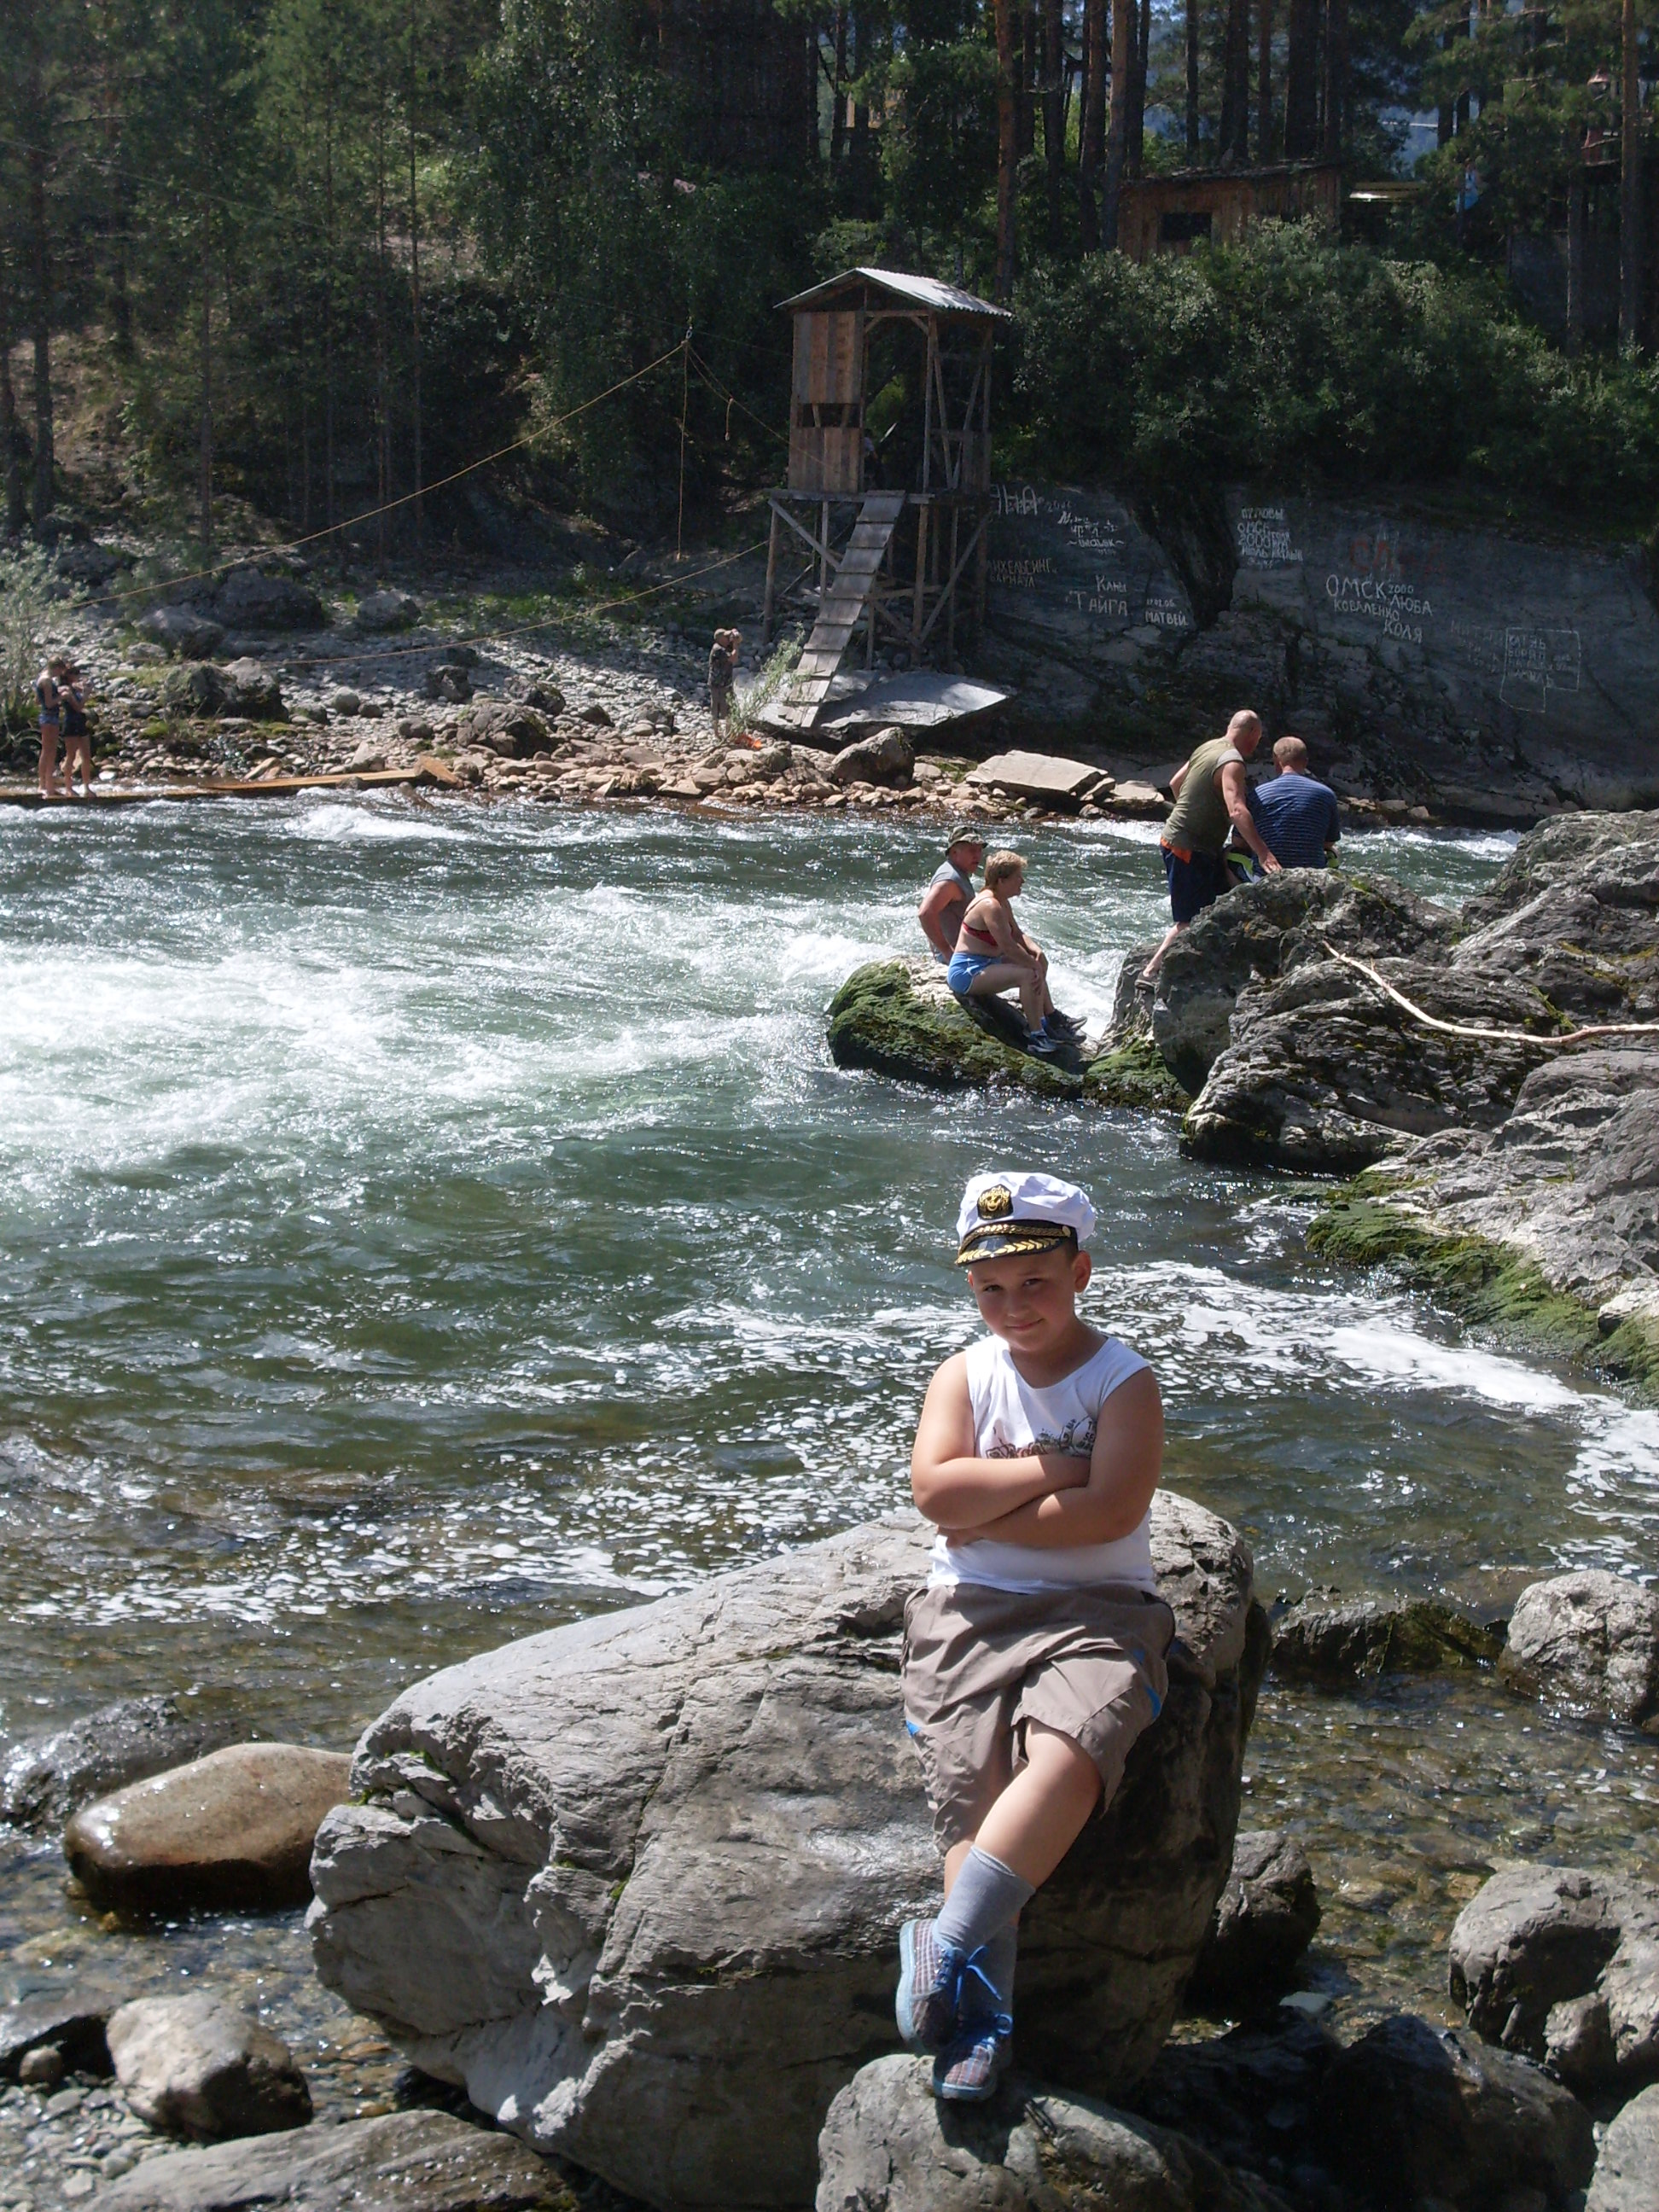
(843, 604)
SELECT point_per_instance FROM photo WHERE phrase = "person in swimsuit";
(995, 955)
(77, 740)
(50, 700)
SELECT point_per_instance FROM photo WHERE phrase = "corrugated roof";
(916, 291)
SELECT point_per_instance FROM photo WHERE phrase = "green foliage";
(750, 703)
(31, 597)
(1295, 359)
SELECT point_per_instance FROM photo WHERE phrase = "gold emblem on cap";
(996, 1203)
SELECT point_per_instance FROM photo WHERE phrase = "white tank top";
(1011, 1420)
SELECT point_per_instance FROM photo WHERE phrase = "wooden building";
(892, 529)
(1170, 215)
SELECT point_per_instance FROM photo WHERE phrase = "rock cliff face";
(1493, 677)
(1523, 1177)
(636, 1883)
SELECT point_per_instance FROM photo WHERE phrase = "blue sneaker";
(967, 2071)
(930, 1981)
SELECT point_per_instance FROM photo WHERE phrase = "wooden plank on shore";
(428, 770)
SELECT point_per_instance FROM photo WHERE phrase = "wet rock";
(1626, 2178)
(1356, 1643)
(900, 1017)
(636, 1883)
(183, 631)
(884, 758)
(46, 1777)
(196, 2066)
(1587, 1643)
(417, 2161)
(232, 1829)
(511, 731)
(1249, 2097)
(72, 2025)
(1264, 1920)
(1563, 1965)
(380, 612)
(247, 598)
(888, 2145)
(1046, 777)
(1411, 2115)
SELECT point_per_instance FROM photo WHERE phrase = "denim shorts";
(966, 969)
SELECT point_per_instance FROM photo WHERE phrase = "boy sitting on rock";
(1034, 1656)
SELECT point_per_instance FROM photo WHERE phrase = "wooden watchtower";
(892, 524)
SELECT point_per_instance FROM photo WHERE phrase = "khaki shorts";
(980, 1663)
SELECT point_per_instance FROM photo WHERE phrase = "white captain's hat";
(1005, 1212)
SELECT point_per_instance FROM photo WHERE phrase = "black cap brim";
(1003, 1240)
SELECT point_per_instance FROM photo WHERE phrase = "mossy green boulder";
(895, 1021)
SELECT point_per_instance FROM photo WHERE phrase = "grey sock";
(987, 1897)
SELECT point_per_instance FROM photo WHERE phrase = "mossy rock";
(1358, 1642)
(1482, 1281)
(880, 1020)
(154, 733)
(1134, 1074)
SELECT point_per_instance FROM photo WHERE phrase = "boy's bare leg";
(1041, 1813)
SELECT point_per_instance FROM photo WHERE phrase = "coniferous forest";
(296, 261)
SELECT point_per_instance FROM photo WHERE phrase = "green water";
(423, 1224)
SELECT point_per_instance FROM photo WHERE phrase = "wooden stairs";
(843, 606)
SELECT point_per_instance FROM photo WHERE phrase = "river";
(424, 1224)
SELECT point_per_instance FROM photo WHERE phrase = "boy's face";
(1030, 1298)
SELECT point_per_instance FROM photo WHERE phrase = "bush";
(31, 596)
(1292, 358)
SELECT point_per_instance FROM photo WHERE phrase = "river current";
(423, 1223)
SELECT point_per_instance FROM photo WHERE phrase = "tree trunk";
(1575, 252)
(414, 288)
(1336, 77)
(1630, 186)
(1235, 142)
(1301, 82)
(1025, 105)
(17, 512)
(838, 114)
(1135, 159)
(1264, 81)
(41, 245)
(1092, 140)
(1125, 16)
(205, 431)
(1053, 115)
(1192, 79)
(1007, 147)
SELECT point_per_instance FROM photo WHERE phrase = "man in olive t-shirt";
(1212, 799)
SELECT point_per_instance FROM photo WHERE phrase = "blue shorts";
(1194, 883)
(965, 969)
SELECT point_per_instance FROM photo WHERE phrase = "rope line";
(368, 514)
(1489, 1035)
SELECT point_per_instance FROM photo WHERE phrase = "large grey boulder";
(885, 757)
(196, 2066)
(505, 727)
(380, 612)
(636, 1882)
(1264, 1920)
(48, 1776)
(247, 598)
(1563, 1964)
(416, 2161)
(890, 2146)
(183, 631)
(1587, 1643)
(1626, 2178)
(1410, 2116)
(253, 690)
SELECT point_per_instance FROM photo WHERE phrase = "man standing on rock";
(945, 900)
(1034, 1656)
(1212, 799)
(1297, 815)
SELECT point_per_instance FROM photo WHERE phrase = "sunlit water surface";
(423, 1225)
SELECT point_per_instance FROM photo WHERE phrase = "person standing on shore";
(50, 700)
(945, 901)
(1212, 799)
(77, 740)
(1297, 814)
(722, 673)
